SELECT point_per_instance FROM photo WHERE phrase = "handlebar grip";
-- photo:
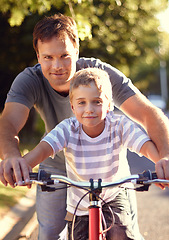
(148, 175)
(154, 175)
(33, 176)
(41, 175)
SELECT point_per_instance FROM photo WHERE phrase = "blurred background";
(131, 35)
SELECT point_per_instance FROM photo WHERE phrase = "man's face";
(58, 57)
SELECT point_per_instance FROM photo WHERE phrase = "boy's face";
(58, 57)
(90, 108)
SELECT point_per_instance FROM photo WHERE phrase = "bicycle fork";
(95, 217)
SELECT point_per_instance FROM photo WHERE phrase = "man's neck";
(63, 90)
(63, 94)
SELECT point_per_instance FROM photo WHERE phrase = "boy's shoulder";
(113, 117)
(118, 120)
(71, 123)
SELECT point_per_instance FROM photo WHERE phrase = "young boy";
(95, 142)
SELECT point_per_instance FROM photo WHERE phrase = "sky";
(164, 20)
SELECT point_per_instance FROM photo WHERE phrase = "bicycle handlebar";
(145, 178)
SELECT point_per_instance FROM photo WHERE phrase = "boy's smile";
(90, 108)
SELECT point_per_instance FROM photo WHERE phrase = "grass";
(10, 196)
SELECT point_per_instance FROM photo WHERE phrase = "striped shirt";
(101, 157)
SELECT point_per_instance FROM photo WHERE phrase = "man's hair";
(56, 25)
(88, 75)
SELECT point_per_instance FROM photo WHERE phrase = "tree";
(123, 33)
(121, 11)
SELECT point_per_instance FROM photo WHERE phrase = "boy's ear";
(108, 108)
(72, 107)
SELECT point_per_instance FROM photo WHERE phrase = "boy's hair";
(56, 25)
(88, 75)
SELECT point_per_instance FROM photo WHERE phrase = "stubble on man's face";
(58, 63)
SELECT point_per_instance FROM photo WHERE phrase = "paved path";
(153, 212)
(153, 206)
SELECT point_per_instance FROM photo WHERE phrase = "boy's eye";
(81, 103)
(65, 55)
(98, 102)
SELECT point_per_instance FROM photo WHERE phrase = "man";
(46, 86)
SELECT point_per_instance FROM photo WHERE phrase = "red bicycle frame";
(95, 217)
(95, 229)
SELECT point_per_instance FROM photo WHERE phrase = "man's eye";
(47, 57)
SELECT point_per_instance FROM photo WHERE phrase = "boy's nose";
(89, 108)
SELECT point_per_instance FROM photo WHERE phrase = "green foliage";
(124, 33)
(123, 30)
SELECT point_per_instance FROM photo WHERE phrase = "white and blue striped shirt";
(101, 157)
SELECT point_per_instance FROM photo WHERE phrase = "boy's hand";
(14, 170)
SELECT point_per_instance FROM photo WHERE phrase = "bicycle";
(93, 188)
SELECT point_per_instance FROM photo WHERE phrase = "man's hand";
(162, 170)
(14, 170)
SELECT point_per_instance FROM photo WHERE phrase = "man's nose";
(57, 64)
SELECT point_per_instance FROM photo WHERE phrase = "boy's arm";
(150, 151)
(42, 151)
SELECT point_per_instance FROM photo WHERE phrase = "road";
(153, 206)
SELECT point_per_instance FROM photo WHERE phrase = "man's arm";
(12, 120)
(149, 150)
(142, 111)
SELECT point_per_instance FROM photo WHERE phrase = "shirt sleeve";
(25, 88)
(132, 135)
(58, 138)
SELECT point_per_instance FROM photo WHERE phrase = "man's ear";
(37, 55)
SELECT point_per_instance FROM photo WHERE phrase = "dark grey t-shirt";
(31, 88)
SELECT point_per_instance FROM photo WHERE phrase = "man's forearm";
(9, 141)
(140, 110)
(157, 127)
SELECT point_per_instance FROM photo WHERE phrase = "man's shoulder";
(32, 76)
(33, 71)
(84, 62)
